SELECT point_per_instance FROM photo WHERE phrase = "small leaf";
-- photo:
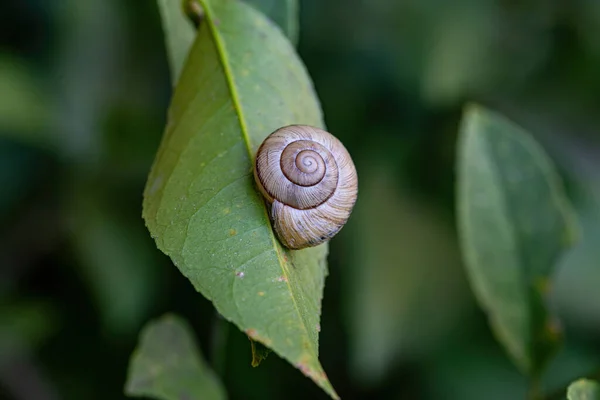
(242, 80)
(514, 222)
(167, 364)
(179, 34)
(583, 389)
(259, 352)
(283, 12)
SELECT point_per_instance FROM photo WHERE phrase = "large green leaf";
(584, 389)
(167, 364)
(242, 81)
(514, 222)
(179, 34)
(283, 12)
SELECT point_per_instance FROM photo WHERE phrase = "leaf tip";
(318, 375)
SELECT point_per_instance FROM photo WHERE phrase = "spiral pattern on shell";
(310, 182)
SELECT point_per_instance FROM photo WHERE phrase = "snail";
(310, 184)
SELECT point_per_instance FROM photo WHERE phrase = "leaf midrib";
(223, 58)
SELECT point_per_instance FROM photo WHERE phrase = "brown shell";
(310, 182)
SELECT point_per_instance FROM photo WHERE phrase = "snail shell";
(310, 182)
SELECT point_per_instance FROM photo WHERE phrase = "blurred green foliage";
(514, 224)
(167, 364)
(84, 88)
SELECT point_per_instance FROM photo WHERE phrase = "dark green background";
(84, 87)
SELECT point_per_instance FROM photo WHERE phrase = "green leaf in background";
(179, 34)
(168, 365)
(584, 389)
(242, 80)
(283, 12)
(514, 222)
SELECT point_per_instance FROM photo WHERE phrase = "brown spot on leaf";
(232, 232)
(306, 344)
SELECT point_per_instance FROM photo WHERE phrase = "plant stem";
(534, 389)
(220, 335)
